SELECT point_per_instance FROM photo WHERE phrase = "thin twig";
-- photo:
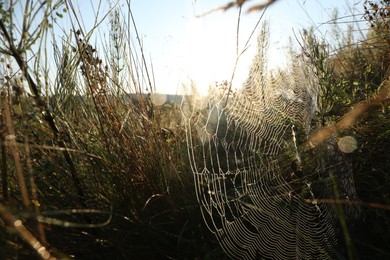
(246, 46)
(142, 49)
(24, 233)
(373, 205)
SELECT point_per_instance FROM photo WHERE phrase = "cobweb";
(258, 194)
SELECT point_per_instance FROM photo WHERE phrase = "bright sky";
(184, 48)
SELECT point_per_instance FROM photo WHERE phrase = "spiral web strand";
(241, 145)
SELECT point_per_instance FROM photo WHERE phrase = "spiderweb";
(258, 194)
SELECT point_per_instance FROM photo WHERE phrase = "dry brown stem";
(15, 154)
(351, 117)
(239, 4)
(18, 226)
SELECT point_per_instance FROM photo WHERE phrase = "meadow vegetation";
(90, 166)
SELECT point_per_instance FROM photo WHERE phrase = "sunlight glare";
(210, 55)
(210, 51)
